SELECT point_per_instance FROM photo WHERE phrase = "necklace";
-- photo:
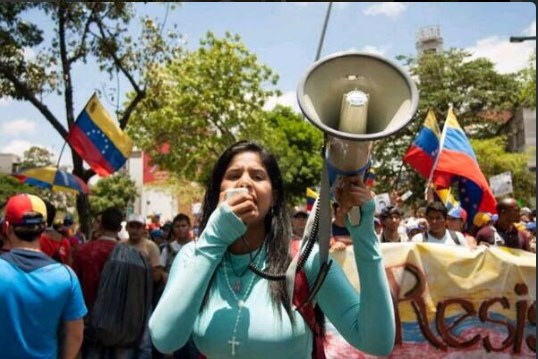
(240, 303)
(252, 259)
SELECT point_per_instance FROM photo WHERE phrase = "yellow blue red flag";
(424, 149)
(311, 197)
(457, 163)
(99, 140)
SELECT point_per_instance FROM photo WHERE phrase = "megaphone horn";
(355, 98)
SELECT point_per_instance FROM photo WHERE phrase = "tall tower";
(429, 40)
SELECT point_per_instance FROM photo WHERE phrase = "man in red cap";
(38, 295)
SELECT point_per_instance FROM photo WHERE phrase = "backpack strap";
(300, 293)
(454, 237)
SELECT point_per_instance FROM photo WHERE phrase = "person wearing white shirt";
(436, 215)
(178, 237)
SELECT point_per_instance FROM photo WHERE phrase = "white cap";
(136, 218)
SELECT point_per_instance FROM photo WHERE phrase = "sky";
(285, 37)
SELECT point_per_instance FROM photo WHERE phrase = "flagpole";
(441, 144)
(69, 129)
(395, 184)
(60, 156)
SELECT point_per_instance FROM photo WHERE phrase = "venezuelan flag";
(445, 195)
(457, 163)
(311, 197)
(423, 151)
(99, 140)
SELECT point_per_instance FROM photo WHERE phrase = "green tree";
(297, 146)
(200, 103)
(80, 32)
(117, 191)
(10, 186)
(493, 159)
(473, 87)
(36, 157)
(527, 77)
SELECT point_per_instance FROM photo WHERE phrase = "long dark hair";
(277, 223)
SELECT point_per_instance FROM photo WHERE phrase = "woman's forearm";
(189, 279)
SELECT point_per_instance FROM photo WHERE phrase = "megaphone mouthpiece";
(354, 112)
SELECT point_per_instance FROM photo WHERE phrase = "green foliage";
(296, 144)
(493, 160)
(200, 103)
(63, 35)
(473, 87)
(97, 29)
(117, 191)
(527, 77)
(10, 186)
(36, 157)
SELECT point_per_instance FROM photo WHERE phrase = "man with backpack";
(41, 303)
(436, 215)
(88, 263)
(136, 227)
(117, 286)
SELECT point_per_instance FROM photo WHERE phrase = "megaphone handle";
(354, 216)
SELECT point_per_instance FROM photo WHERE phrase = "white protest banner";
(501, 184)
(382, 200)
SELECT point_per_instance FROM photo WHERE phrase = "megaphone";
(355, 98)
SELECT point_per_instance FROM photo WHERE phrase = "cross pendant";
(233, 343)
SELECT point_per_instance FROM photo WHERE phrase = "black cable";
(302, 259)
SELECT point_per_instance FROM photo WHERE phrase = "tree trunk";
(83, 209)
(83, 202)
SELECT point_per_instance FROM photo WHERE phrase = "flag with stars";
(424, 149)
(99, 140)
(457, 163)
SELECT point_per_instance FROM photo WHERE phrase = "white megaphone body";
(355, 98)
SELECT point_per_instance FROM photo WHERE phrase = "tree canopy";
(10, 186)
(117, 190)
(476, 91)
(493, 160)
(80, 33)
(297, 146)
(36, 157)
(200, 103)
(528, 78)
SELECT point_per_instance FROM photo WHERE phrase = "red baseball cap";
(25, 209)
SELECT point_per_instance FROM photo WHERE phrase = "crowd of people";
(512, 226)
(209, 295)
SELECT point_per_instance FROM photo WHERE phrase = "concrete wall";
(151, 199)
(6, 162)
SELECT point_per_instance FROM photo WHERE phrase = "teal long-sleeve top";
(221, 329)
